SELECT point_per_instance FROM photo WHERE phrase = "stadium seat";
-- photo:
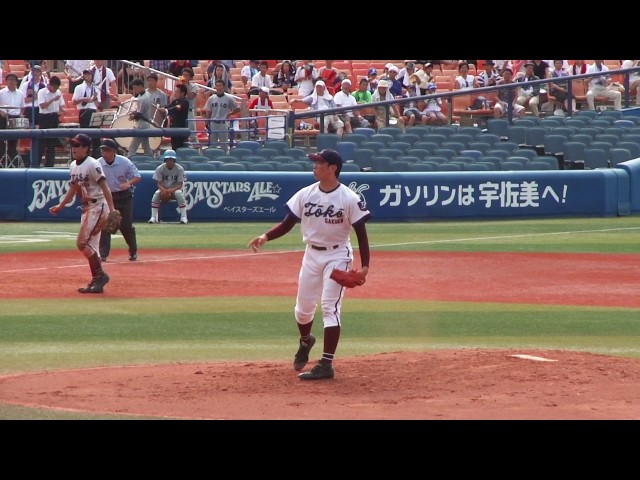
(595, 158)
(619, 155)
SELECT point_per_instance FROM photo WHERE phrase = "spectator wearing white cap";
(321, 99)
(395, 86)
(382, 94)
(351, 119)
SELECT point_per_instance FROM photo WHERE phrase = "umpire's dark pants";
(123, 201)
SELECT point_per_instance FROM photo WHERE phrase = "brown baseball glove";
(348, 278)
(165, 195)
(113, 222)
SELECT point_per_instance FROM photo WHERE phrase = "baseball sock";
(305, 331)
(154, 212)
(331, 338)
(95, 265)
(326, 359)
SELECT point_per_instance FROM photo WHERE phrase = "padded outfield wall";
(27, 194)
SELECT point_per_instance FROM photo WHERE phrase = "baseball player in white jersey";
(327, 211)
(89, 183)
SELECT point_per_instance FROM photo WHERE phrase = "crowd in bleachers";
(289, 84)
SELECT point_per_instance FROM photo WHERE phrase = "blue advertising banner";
(27, 194)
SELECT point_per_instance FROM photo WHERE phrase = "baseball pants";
(122, 201)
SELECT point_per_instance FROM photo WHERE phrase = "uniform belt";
(316, 247)
(89, 200)
(219, 121)
(122, 193)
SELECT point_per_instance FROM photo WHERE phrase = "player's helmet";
(169, 154)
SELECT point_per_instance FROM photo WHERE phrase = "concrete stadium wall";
(27, 194)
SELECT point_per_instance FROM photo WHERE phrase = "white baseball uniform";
(87, 174)
(326, 222)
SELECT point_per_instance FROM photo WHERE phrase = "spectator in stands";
(362, 96)
(4, 65)
(219, 107)
(559, 90)
(160, 65)
(352, 118)
(578, 68)
(141, 117)
(499, 66)
(464, 80)
(489, 77)
(433, 108)
(208, 75)
(507, 96)
(634, 78)
(74, 69)
(540, 68)
(86, 98)
(518, 68)
(416, 113)
(529, 95)
(601, 86)
(395, 86)
(10, 95)
(263, 79)
(51, 104)
(192, 93)
(219, 73)
(178, 111)
(372, 76)
(404, 74)
(321, 99)
(28, 71)
(306, 75)
(329, 75)
(426, 76)
(157, 96)
(177, 66)
(382, 94)
(128, 73)
(285, 77)
(261, 102)
(99, 72)
(247, 73)
(229, 64)
(30, 90)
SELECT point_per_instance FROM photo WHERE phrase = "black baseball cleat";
(302, 355)
(103, 259)
(133, 257)
(320, 371)
(96, 285)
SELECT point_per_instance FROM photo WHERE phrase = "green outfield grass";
(45, 334)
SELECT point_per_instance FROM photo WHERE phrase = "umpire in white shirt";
(122, 175)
